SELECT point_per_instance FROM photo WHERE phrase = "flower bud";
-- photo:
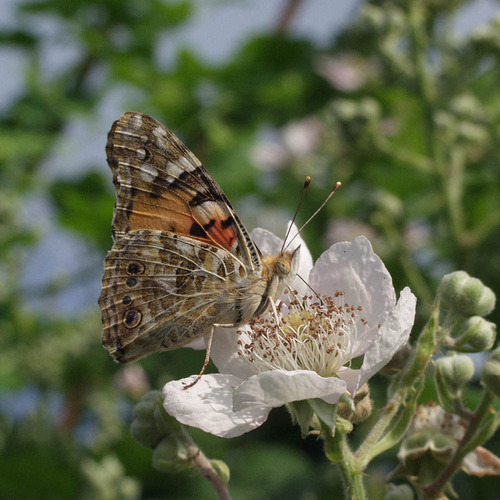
(465, 295)
(359, 409)
(399, 492)
(171, 455)
(491, 372)
(452, 373)
(150, 421)
(222, 470)
(474, 334)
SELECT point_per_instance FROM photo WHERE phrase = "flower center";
(320, 333)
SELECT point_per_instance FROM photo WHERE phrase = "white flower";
(306, 351)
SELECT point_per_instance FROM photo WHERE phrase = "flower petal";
(391, 336)
(224, 352)
(481, 462)
(208, 405)
(197, 344)
(278, 387)
(357, 271)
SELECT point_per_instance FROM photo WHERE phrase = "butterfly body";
(182, 262)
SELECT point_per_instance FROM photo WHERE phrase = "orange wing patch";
(162, 186)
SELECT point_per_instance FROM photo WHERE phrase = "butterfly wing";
(182, 261)
(161, 185)
(160, 291)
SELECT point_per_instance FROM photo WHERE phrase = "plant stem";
(200, 460)
(407, 394)
(338, 451)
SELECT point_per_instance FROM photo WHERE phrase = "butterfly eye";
(132, 318)
(283, 266)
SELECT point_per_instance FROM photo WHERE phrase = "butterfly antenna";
(318, 296)
(313, 215)
(306, 185)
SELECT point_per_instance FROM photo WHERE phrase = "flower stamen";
(318, 333)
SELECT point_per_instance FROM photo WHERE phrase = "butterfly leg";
(205, 363)
(275, 311)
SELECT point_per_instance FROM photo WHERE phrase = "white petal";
(224, 353)
(356, 270)
(391, 337)
(208, 406)
(481, 462)
(197, 344)
(277, 387)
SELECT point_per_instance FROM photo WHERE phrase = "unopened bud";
(171, 455)
(466, 296)
(399, 492)
(474, 334)
(222, 470)
(452, 373)
(491, 372)
(359, 409)
(150, 421)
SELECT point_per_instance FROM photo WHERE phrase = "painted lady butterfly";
(182, 262)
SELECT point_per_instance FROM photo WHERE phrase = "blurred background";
(399, 100)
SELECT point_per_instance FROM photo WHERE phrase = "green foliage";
(412, 135)
(84, 206)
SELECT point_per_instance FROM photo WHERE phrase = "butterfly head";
(287, 265)
(284, 266)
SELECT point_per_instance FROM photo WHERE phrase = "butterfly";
(181, 262)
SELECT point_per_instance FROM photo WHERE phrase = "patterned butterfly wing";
(161, 185)
(182, 261)
(161, 290)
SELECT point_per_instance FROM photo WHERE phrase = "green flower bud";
(474, 133)
(452, 373)
(399, 492)
(474, 334)
(222, 470)
(465, 295)
(491, 372)
(369, 109)
(150, 421)
(172, 455)
(467, 107)
(344, 109)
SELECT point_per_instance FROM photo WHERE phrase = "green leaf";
(85, 206)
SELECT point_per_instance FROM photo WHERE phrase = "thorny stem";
(426, 347)
(199, 459)
(338, 451)
(434, 490)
